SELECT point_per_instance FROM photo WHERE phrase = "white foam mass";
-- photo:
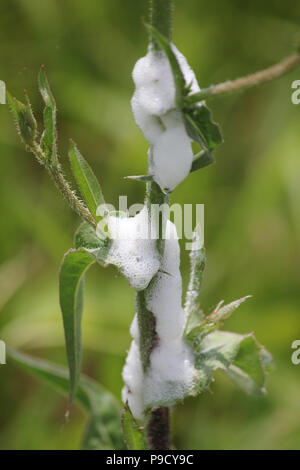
(171, 374)
(132, 251)
(155, 112)
(133, 392)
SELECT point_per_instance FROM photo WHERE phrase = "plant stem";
(63, 186)
(146, 319)
(157, 428)
(161, 16)
(75, 203)
(257, 78)
(147, 328)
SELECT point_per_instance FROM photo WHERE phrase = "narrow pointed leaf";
(86, 180)
(24, 118)
(179, 80)
(224, 311)
(133, 435)
(49, 136)
(104, 426)
(48, 140)
(201, 160)
(45, 89)
(30, 116)
(71, 281)
(198, 326)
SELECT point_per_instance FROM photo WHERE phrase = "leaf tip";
(72, 144)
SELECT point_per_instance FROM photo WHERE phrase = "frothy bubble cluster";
(133, 251)
(155, 112)
(171, 374)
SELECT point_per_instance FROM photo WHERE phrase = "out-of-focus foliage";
(103, 430)
(251, 197)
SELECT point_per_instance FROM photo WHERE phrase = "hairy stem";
(161, 16)
(257, 78)
(63, 186)
(75, 203)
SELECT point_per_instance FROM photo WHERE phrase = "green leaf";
(48, 140)
(45, 89)
(71, 281)
(248, 368)
(86, 237)
(86, 180)
(202, 159)
(201, 128)
(193, 325)
(266, 360)
(104, 427)
(24, 118)
(238, 355)
(180, 85)
(49, 136)
(217, 350)
(133, 435)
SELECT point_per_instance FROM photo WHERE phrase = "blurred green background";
(251, 197)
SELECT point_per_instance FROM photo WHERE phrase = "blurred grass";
(251, 198)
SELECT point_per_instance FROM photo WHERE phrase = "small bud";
(24, 118)
(222, 312)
